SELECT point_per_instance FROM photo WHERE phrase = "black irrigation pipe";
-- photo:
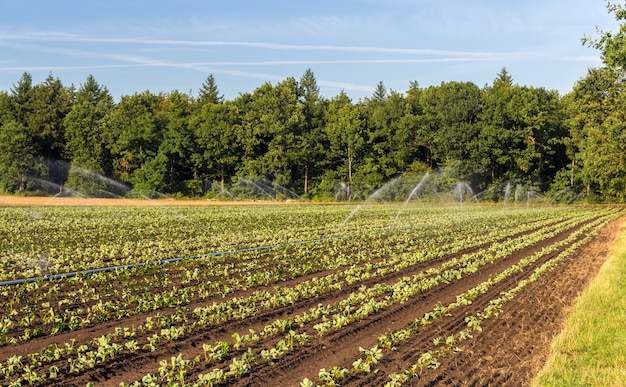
(178, 259)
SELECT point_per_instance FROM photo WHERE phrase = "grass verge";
(591, 349)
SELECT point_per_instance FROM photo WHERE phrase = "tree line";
(288, 134)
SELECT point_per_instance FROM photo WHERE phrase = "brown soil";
(88, 202)
(485, 361)
(513, 347)
(509, 350)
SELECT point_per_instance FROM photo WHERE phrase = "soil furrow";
(337, 348)
(85, 334)
(341, 348)
(513, 346)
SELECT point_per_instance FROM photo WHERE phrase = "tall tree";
(542, 118)
(22, 95)
(603, 156)
(85, 143)
(380, 92)
(274, 118)
(387, 143)
(134, 130)
(51, 103)
(414, 128)
(499, 139)
(209, 93)
(593, 106)
(588, 105)
(19, 154)
(311, 140)
(450, 121)
(602, 147)
(344, 129)
(178, 143)
(18, 159)
(611, 44)
(217, 131)
(522, 132)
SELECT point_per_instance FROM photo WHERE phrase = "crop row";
(362, 304)
(63, 240)
(226, 310)
(38, 247)
(43, 308)
(448, 345)
(181, 324)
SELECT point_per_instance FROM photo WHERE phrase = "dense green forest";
(54, 136)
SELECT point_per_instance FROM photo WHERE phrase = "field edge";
(51, 201)
(589, 348)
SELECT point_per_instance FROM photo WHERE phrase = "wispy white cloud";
(202, 67)
(583, 58)
(16, 41)
(13, 68)
(425, 55)
(80, 53)
(216, 66)
(337, 62)
(64, 37)
(350, 42)
(346, 86)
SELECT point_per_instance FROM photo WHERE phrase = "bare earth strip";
(89, 202)
(513, 347)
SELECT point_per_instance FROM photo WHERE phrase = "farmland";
(289, 295)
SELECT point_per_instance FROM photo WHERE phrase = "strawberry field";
(297, 295)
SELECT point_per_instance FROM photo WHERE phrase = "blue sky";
(352, 45)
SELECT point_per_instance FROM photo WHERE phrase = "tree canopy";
(289, 135)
